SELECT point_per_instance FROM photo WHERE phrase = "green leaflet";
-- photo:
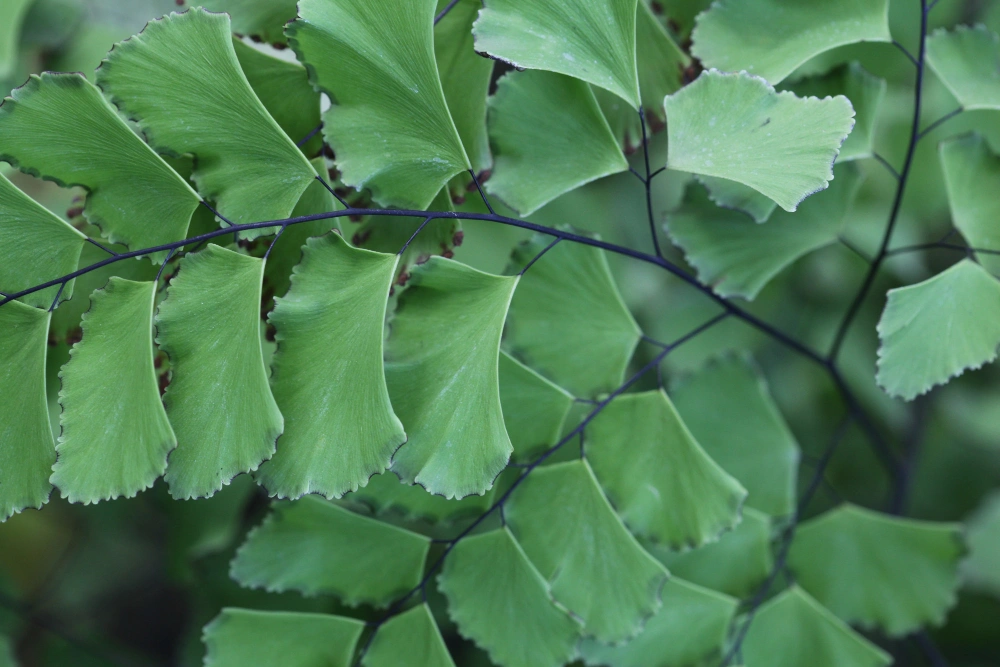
(389, 126)
(386, 495)
(28, 450)
(11, 15)
(241, 637)
(125, 179)
(738, 197)
(966, 60)
(261, 18)
(935, 330)
(465, 78)
(736, 564)
(972, 177)
(865, 92)
(202, 104)
(594, 565)
(218, 401)
(771, 38)
(739, 258)
(317, 548)
(534, 409)
(753, 443)
(441, 367)
(879, 571)
(567, 308)
(501, 602)
(690, 629)
(778, 144)
(661, 482)
(328, 378)
(115, 434)
(980, 570)
(592, 41)
(283, 88)
(35, 246)
(550, 137)
(792, 630)
(412, 638)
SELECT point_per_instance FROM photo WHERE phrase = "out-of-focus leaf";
(972, 176)
(385, 494)
(534, 409)
(11, 16)
(412, 638)
(981, 571)
(265, 19)
(738, 197)
(966, 61)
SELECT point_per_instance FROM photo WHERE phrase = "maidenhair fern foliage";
(511, 456)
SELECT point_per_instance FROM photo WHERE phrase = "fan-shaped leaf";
(534, 409)
(972, 177)
(550, 137)
(28, 450)
(771, 38)
(730, 411)
(441, 367)
(737, 257)
(935, 330)
(793, 629)
(593, 41)
(736, 564)
(736, 126)
(35, 246)
(981, 571)
(202, 104)
(315, 547)
(661, 482)
(240, 637)
(412, 638)
(500, 601)
(596, 568)
(124, 178)
(389, 126)
(261, 18)
(878, 570)
(12, 14)
(738, 197)
(568, 308)
(966, 60)
(689, 629)
(115, 434)
(328, 378)
(385, 494)
(218, 400)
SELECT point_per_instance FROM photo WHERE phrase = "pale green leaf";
(389, 125)
(972, 177)
(465, 78)
(739, 258)
(736, 564)
(283, 88)
(981, 570)
(125, 179)
(550, 137)
(261, 18)
(534, 409)
(793, 630)
(967, 60)
(879, 571)
(689, 629)
(661, 482)
(753, 443)
(12, 14)
(771, 38)
(738, 197)
(218, 401)
(385, 495)
(115, 434)
(568, 308)
(592, 41)
(241, 637)
(501, 602)
(411, 639)
(594, 565)
(736, 126)
(201, 103)
(36, 246)
(317, 548)
(328, 378)
(935, 330)
(441, 366)
(864, 90)
(28, 450)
